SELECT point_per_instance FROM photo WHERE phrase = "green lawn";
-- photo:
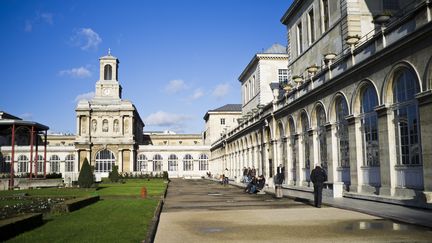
(120, 216)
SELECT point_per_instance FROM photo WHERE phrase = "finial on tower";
(109, 51)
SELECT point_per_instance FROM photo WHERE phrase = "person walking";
(318, 177)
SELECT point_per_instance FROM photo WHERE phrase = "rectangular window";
(311, 26)
(325, 15)
(222, 121)
(283, 75)
(299, 39)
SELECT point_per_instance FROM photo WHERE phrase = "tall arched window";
(188, 162)
(157, 162)
(282, 145)
(54, 164)
(105, 161)
(141, 163)
(203, 162)
(107, 72)
(406, 118)
(5, 165)
(40, 163)
(342, 131)
(370, 126)
(23, 163)
(69, 163)
(172, 163)
(306, 140)
(322, 136)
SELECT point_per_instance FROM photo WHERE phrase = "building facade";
(356, 102)
(109, 132)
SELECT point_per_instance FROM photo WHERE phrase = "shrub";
(165, 175)
(85, 178)
(114, 175)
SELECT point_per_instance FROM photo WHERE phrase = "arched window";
(107, 72)
(69, 163)
(40, 164)
(172, 162)
(5, 164)
(282, 145)
(141, 163)
(105, 161)
(203, 162)
(406, 118)
(23, 163)
(54, 164)
(306, 140)
(370, 126)
(342, 131)
(157, 162)
(188, 162)
(322, 136)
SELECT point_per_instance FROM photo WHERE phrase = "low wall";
(74, 204)
(25, 183)
(17, 225)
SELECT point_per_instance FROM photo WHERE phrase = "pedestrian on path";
(318, 177)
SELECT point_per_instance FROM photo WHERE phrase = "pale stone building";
(219, 121)
(357, 100)
(109, 132)
(265, 70)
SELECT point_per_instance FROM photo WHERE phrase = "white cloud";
(165, 119)
(221, 90)
(26, 116)
(85, 96)
(175, 86)
(198, 93)
(86, 39)
(38, 19)
(47, 18)
(80, 72)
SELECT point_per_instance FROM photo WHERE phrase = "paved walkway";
(410, 215)
(204, 211)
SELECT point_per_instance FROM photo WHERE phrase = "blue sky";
(178, 59)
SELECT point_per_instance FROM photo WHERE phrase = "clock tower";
(108, 87)
(109, 129)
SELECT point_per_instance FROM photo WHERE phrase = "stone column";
(120, 160)
(355, 152)
(332, 153)
(301, 160)
(425, 114)
(387, 150)
(316, 158)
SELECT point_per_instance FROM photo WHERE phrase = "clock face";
(106, 91)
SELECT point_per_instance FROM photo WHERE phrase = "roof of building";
(7, 120)
(225, 108)
(229, 107)
(274, 51)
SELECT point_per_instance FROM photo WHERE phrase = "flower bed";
(11, 206)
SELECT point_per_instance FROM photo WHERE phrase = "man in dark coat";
(318, 177)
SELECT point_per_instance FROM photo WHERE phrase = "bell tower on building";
(108, 86)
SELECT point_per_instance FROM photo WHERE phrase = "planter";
(352, 40)
(381, 18)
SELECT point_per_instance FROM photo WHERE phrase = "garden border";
(152, 228)
(11, 227)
